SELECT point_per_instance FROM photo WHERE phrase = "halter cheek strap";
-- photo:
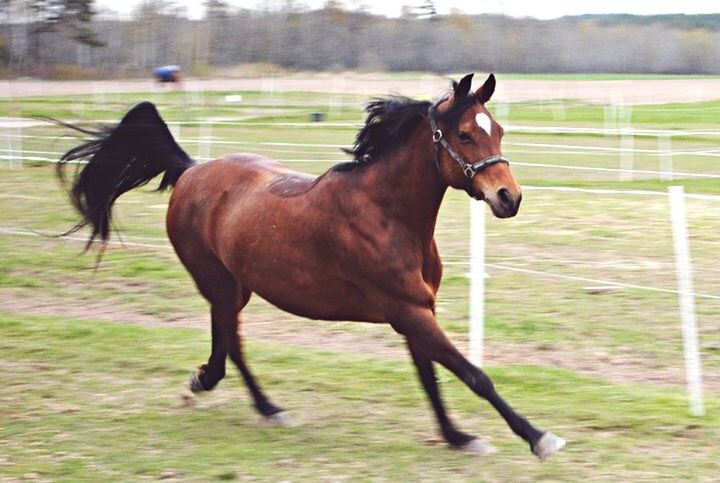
(470, 169)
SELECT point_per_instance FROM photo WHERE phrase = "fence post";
(7, 149)
(477, 282)
(98, 96)
(204, 136)
(19, 147)
(13, 147)
(267, 91)
(683, 268)
(610, 121)
(627, 162)
(627, 143)
(666, 157)
(558, 110)
(501, 112)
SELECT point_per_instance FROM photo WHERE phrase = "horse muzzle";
(503, 203)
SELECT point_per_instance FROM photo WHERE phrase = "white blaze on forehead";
(483, 120)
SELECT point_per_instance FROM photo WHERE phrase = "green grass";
(297, 106)
(692, 186)
(605, 237)
(91, 400)
(84, 385)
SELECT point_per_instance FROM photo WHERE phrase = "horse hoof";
(278, 419)
(479, 447)
(548, 444)
(195, 384)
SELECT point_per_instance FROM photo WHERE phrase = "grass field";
(603, 370)
(92, 400)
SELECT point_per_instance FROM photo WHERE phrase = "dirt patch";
(286, 328)
(635, 91)
(378, 340)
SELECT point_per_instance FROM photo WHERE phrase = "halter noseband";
(470, 169)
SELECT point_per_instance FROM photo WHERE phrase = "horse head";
(467, 147)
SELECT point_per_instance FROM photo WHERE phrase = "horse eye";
(464, 137)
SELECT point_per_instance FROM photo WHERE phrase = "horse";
(355, 243)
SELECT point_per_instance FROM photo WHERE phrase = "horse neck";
(407, 184)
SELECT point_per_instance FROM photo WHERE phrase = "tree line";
(37, 36)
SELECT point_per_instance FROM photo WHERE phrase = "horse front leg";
(454, 437)
(428, 340)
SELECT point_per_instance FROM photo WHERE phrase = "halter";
(470, 169)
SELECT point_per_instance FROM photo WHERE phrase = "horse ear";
(461, 89)
(485, 92)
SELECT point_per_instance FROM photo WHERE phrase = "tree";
(5, 33)
(68, 17)
(216, 9)
(427, 10)
(217, 25)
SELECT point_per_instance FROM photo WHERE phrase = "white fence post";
(267, 91)
(477, 282)
(558, 110)
(7, 149)
(610, 118)
(683, 267)
(627, 162)
(13, 148)
(627, 143)
(204, 135)
(501, 112)
(666, 157)
(19, 148)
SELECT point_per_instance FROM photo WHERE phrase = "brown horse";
(356, 243)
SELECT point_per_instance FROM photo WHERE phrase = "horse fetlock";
(268, 409)
(194, 383)
(547, 445)
(281, 418)
(479, 447)
(457, 438)
(205, 378)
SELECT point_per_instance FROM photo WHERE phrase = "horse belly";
(323, 301)
(299, 272)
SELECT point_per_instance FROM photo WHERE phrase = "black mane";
(389, 124)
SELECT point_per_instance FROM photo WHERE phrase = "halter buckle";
(437, 135)
(469, 170)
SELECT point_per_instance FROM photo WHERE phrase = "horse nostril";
(506, 198)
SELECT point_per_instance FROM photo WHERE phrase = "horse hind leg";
(272, 413)
(218, 286)
(208, 375)
(227, 298)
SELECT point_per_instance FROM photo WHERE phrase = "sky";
(543, 9)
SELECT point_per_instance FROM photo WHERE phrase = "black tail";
(119, 159)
